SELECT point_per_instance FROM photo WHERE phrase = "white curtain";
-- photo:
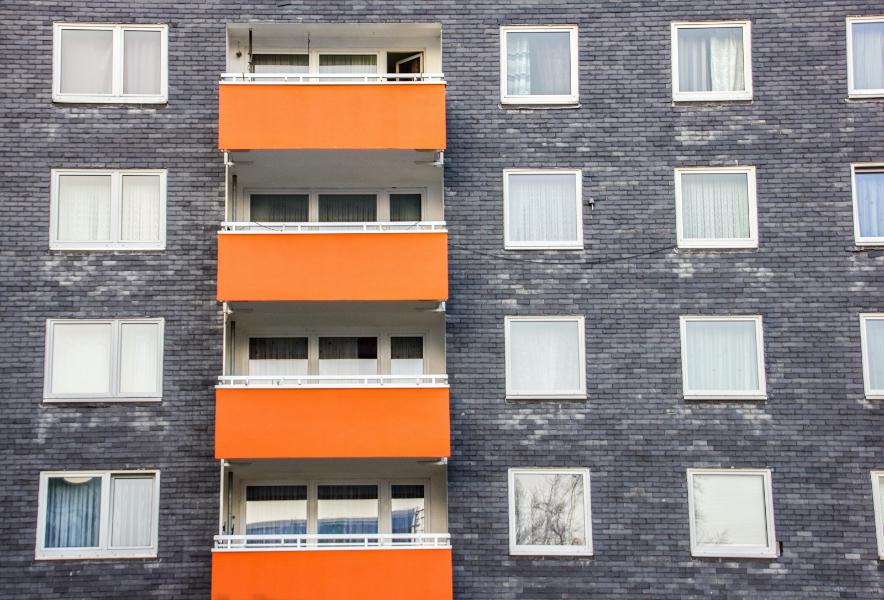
(142, 62)
(87, 58)
(875, 348)
(348, 63)
(545, 357)
(73, 512)
(729, 509)
(280, 63)
(721, 356)
(276, 509)
(868, 56)
(132, 512)
(542, 208)
(715, 205)
(550, 509)
(870, 204)
(347, 208)
(81, 358)
(139, 351)
(710, 59)
(538, 64)
(140, 217)
(84, 208)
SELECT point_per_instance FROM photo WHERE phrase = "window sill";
(690, 99)
(861, 245)
(875, 395)
(97, 556)
(552, 553)
(543, 247)
(546, 397)
(863, 96)
(100, 400)
(725, 553)
(538, 105)
(726, 397)
(105, 248)
(718, 245)
(65, 99)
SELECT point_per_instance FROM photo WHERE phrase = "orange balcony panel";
(383, 116)
(332, 266)
(404, 574)
(332, 423)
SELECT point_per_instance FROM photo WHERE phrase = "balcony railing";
(332, 541)
(332, 78)
(332, 381)
(373, 227)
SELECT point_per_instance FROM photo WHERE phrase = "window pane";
(347, 208)
(81, 358)
(405, 207)
(870, 204)
(409, 508)
(875, 349)
(139, 358)
(348, 63)
(142, 62)
(550, 509)
(84, 208)
(348, 508)
(87, 58)
(279, 208)
(542, 208)
(406, 355)
(73, 511)
(132, 512)
(348, 356)
(868, 56)
(721, 356)
(715, 205)
(278, 356)
(140, 218)
(538, 63)
(280, 63)
(545, 357)
(710, 59)
(276, 509)
(730, 509)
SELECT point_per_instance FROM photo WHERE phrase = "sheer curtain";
(139, 347)
(132, 512)
(875, 348)
(542, 208)
(73, 512)
(870, 204)
(868, 56)
(87, 59)
(729, 509)
(721, 356)
(348, 63)
(348, 356)
(347, 508)
(544, 357)
(140, 213)
(405, 207)
(276, 509)
(278, 356)
(81, 358)
(84, 208)
(406, 355)
(348, 208)
(279, 208)
(710, 59)
(538, 63)
(715, 205)
(142, 64)
(280, 63)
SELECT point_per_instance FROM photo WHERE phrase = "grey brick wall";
(816, 432)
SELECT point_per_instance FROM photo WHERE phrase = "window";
(347, 509)
(722, 358)
(104, 360)
(279, 208)
(98, 514)
(545, 358)
(108, 210)
(345, 64)
(109, 63)
(280, 63)
(711, 61)
(868, 204)
(538, 64)
(731, 513)
(334, 206)
(542, 209)
(276, 509)
(865, 57)
(872, 335)
(550, 511)
(271, 356)
(347, 208)
(348, 356)
(406, 355)
(405, 207)
(716, 208)
(408, 508)
(878, 497)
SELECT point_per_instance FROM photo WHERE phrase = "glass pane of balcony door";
(409, 508)
(279, 208)
(277, 356)
(407, 355)
(348, 63)
(276, 509)
(280, 63)
(348, 356)
(405, 207)
(344, 509)
(348, 208)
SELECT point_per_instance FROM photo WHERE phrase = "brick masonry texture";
(816, 432)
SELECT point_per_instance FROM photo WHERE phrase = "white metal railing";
(331, 381)
(372, 227)
(332, 541)
(345, 78)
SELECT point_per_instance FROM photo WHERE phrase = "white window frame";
(759, 394)
(713, 243)
(579, 394)
(769, 550)
(852, 92)
(529, 550)
(877, 476)
(679, 96)
(116, 96)
(103, 550)
(116, 207)
(571, 98)
(871, 394)
(114, 394)
(576, 244)
(859, 169)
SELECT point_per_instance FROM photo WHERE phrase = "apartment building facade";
(463, 301)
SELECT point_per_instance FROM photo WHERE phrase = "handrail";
(332, 541)
(331, 381)
(370, 227)
(346, 78)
